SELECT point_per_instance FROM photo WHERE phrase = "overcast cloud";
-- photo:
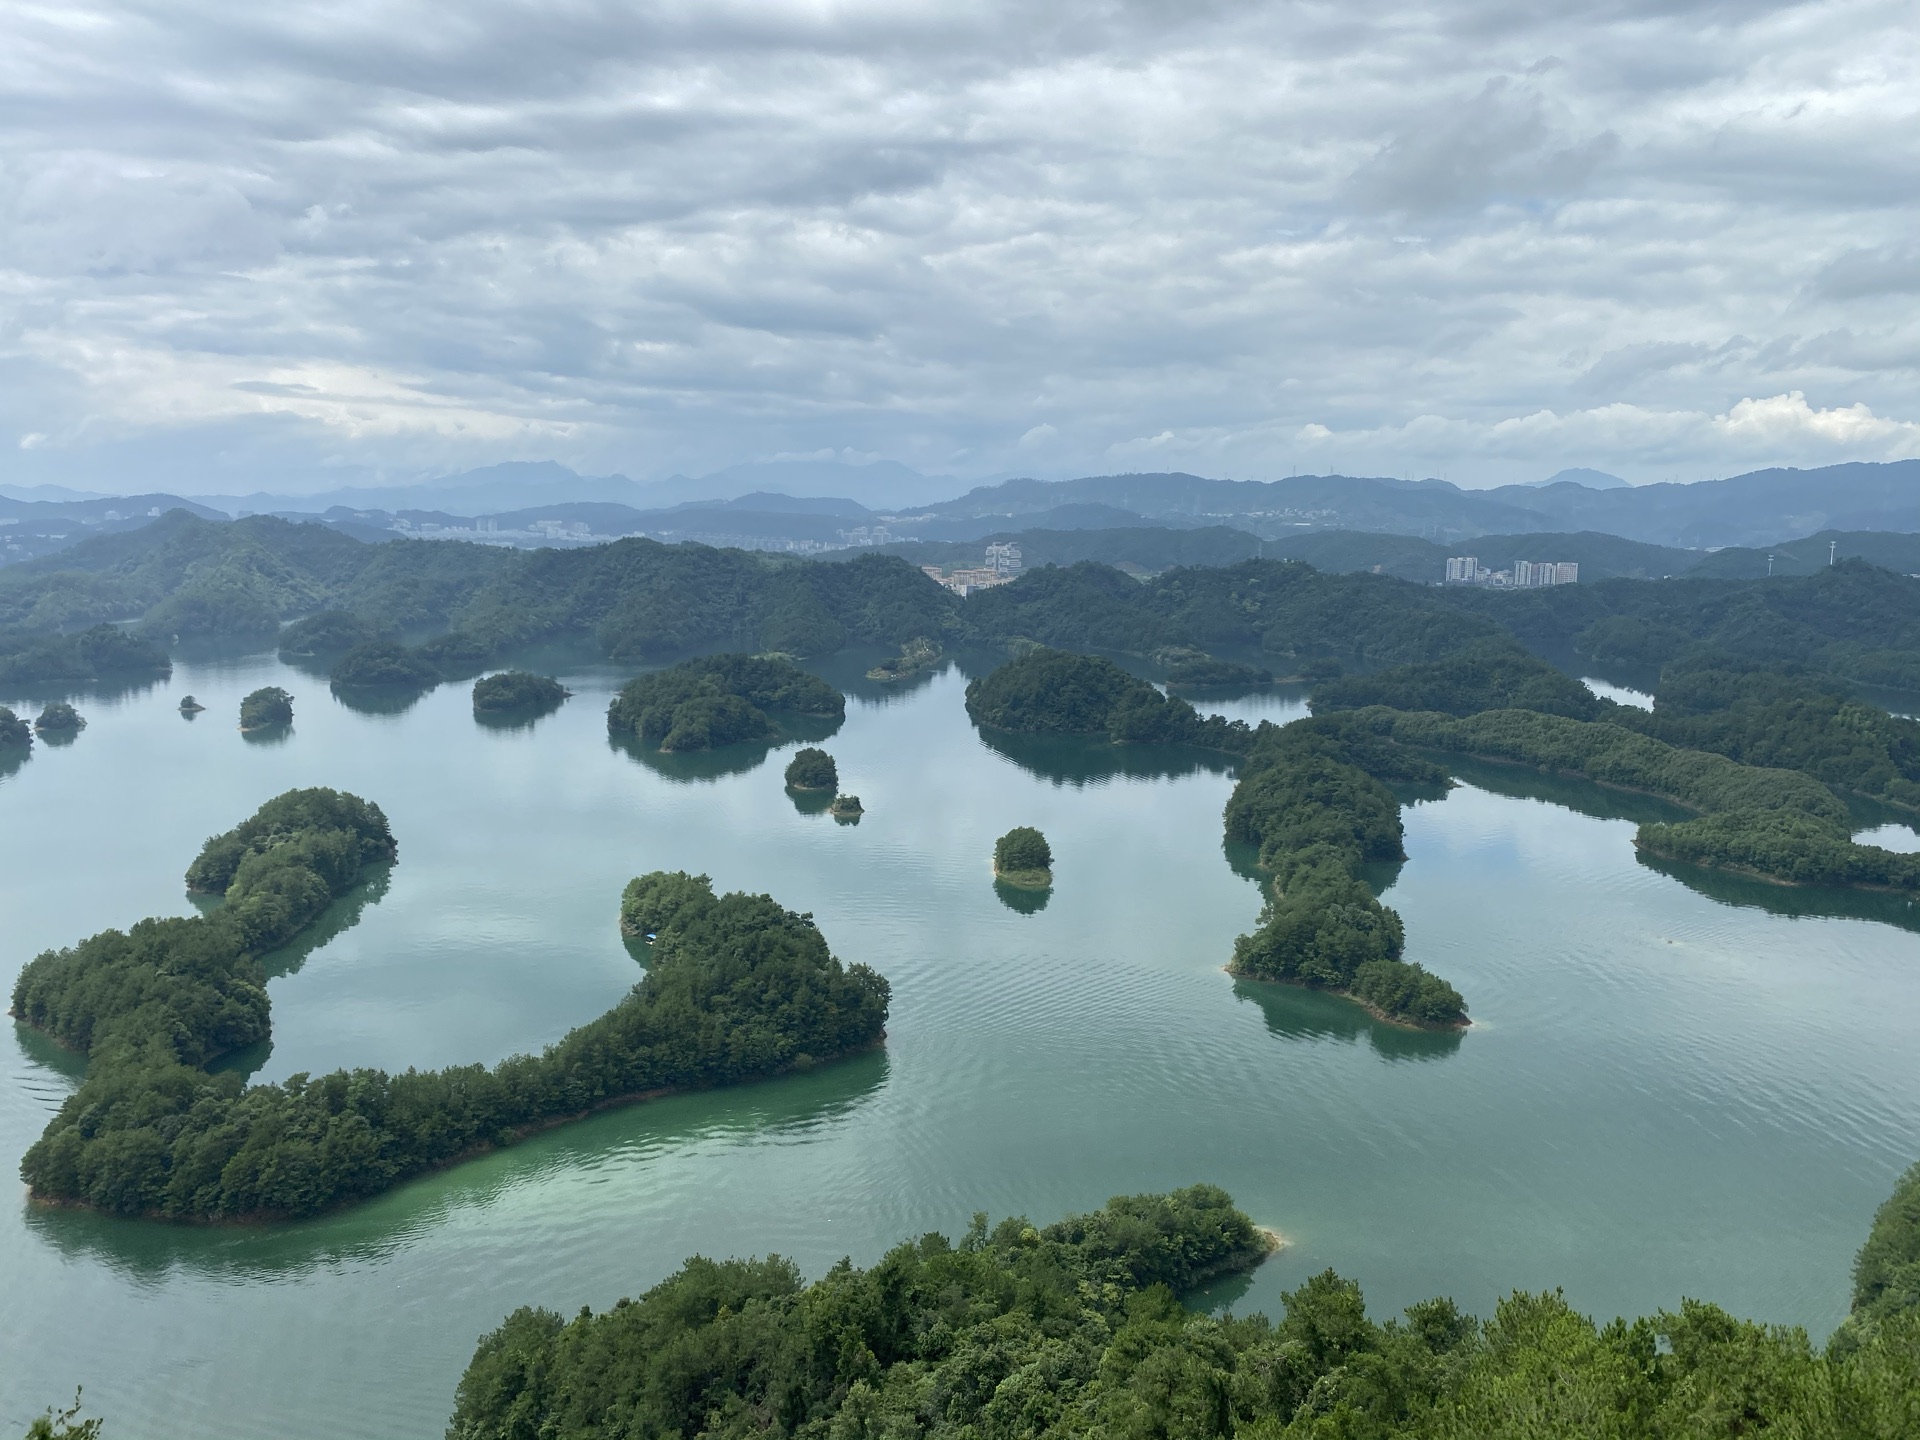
(248, 245)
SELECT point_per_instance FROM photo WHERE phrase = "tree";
(1022, 850)
(265, 708)
(812, 769)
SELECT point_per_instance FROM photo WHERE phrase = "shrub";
(265, 708)
(812, 769)
(1022, 848)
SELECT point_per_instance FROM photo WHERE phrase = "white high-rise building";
(1462, 569)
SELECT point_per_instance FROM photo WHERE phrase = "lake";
(1675, 1085)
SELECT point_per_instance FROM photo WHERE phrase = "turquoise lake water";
(1675, 1085)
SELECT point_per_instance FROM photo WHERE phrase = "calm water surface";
(1673, 1088)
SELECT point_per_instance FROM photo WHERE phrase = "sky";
(285, 246)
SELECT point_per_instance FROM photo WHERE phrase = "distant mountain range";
(810, 505)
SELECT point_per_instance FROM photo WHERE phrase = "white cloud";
(1486, 239)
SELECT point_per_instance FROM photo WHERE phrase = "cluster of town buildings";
(1002, 565)
(1525, 574)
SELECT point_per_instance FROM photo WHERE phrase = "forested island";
(1023, 858)
(267, 708)
(1058, 692)
(517, 693)
(57, 717)
(736, 988)
(1021, 1332)
(1310, 796)
(718, 700)
(812, 769)
(14, 732)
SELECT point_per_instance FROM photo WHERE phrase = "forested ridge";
(737, 988)
(717, 700)
(641, 601)
(1075, 1329)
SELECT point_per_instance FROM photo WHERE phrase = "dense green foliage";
(101, 653)
(846, 807)
(717, 700)
(153, 1005)
(1074, 1332)
(59, 716)
(516, 692)
(1277, 607)
(1852, 620)
(378, 663)
(265, 708)
(1022, 848)
(1783, 718)
(1056, 692)
(737, 988)
(1311, 797)
(1886, 1273)
(14, 730)
(325, 635)
(1486, 675)
(1202, 672)
(996, 1335)
(812, 769)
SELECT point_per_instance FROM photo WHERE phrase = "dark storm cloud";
(1489, 239)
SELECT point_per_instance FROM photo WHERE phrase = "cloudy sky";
(280, 244)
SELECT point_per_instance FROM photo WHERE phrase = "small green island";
(719, 700)
(384, 664)
(517, 694)
(847, 808)
(59, 718)
(14, 731)
(812, 770)
(1023, 859)
(915, 657)
(268, 708)
(190, 707)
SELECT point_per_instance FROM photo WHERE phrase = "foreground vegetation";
(1018, 1332)
(737, 988)
(720, 700)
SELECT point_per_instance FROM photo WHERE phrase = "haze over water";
(1665, 1093)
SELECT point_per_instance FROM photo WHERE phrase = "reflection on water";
(1602, 802)
(1020, 899)
(1294, 1012)
(1090, 759)
(811, 802)
(381, 699)
(1791, 900)
(1898, 835)
(693, 766)
(12, 757)
(338, 918)
(627, 1138)
(267, 735)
